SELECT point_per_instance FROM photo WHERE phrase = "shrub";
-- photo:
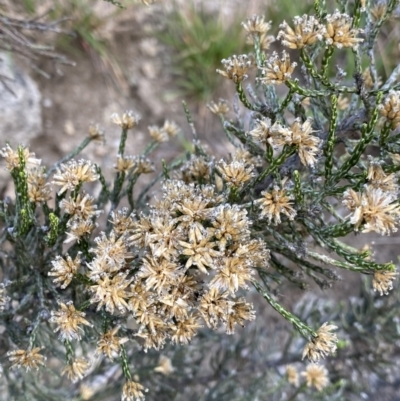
(309, 169)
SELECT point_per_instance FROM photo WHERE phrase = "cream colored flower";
(277, 70)
(377, 210)
(164, 366)
(28, 359)
(236, 68)
(274, 203)
(77, 369)
(68, 321)
(390, 108)
(73, 173)
(292, 375)
(307, 30)
(109, 344)
(12, 157)
(64, 270)
(339, 31)
(316, 376)
(127, 121)
(383, 281)
(133, 391)
(325, 343)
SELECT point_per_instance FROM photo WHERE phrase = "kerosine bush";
(308, 170)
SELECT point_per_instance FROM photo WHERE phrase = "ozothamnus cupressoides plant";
(308, 169)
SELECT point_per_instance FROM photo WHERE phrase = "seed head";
(72, 174)
(390, 109)
(339, 31)
(307, 30)
(109, 344)
(292, 375)
(64, 270)
(220, 108)
(383, 281)
(68, 321)
(236, 68)
(133, 391)
(77, 369)
(316, 376)
(128, 120)
(322, 345)
(274, 203)
(277, 70)
(28, 359)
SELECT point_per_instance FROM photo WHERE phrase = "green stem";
(70, 156)
(302, 328)
(329, 148)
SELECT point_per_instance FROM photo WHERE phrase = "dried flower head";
(379, 179)
(390, 109)
(109, 344)
(274, 203)
(164, 366)
(236, 68)
(197, 169)
(232, 273)
(240, 312)
(261, 130)
(133, 391)
(64, 269)
(264, 40)
(316, 376)
(112, 249)
(292, 375)
(184, 330)
(277, 70)
(307, 144)
(377, 210)
(200, 252)
(322, 345)
(307, 30)
(12, 157)
(158, 134)
(124, 164)
(112, 293)
(299, 135)
(143, 165)
(256, 25)
(220, 108)
(339, 31)
(171, 128)
(383, 281)
(38, 190)
(96, 134)
(78, 229)
(28, 359)
(82, 206)
(368, 80)
(72, 174)
(378, 10)
(68, 321)
(236, 173)
(77, 369)
(128, 120)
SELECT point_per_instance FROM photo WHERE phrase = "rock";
(20, 104)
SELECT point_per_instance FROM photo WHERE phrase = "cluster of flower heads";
(315, 376)
(298, 134)
(338, 31)
(375, 208)
(190, 234)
